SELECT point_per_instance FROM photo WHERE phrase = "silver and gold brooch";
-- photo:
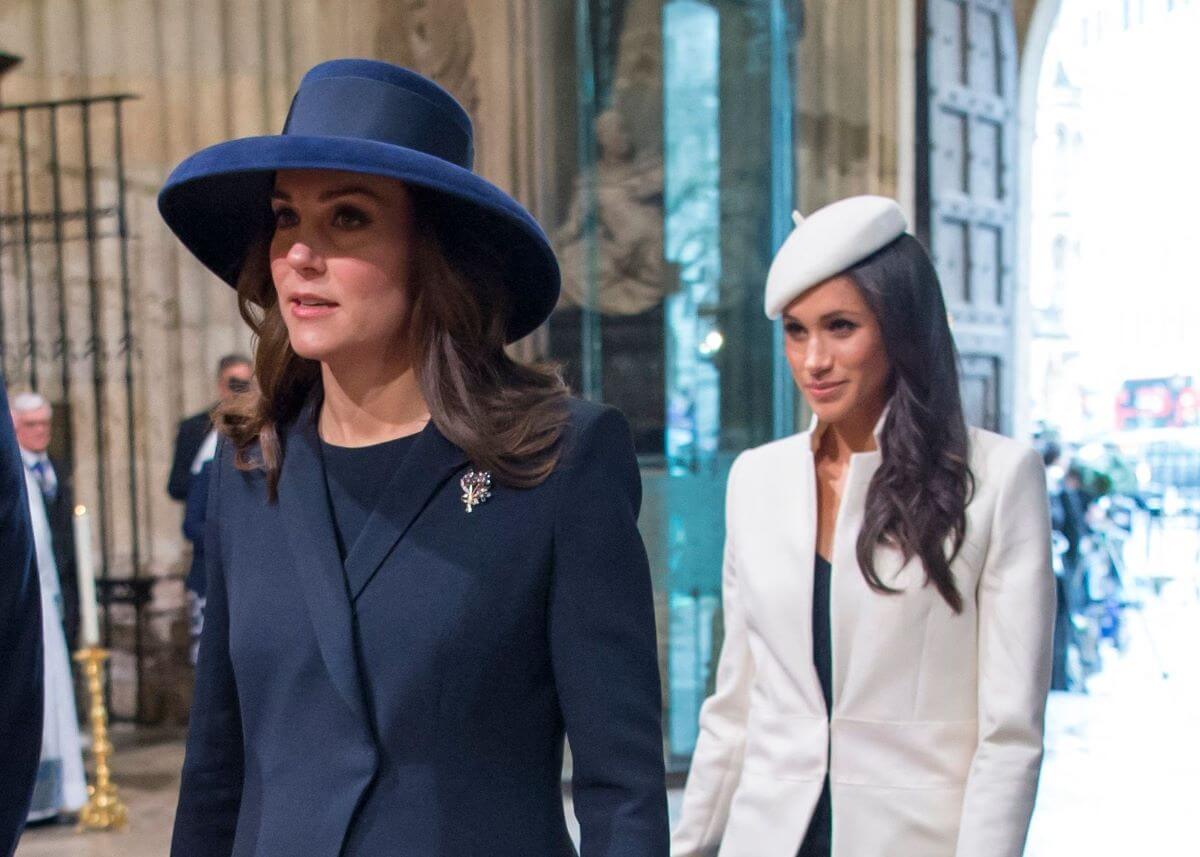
(476, 488)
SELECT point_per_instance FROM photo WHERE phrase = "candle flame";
(80, 511)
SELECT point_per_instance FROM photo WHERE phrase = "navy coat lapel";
(304, 502)
(430, 462)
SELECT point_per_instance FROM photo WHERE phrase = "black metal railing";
(62, 215)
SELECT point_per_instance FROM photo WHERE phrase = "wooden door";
(966, 185)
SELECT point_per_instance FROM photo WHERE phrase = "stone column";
(851, 124)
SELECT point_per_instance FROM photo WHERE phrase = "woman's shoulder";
(998, 460)
(597, 451)
(767, 458)
(225, 471)
(583, 412)
(591, 424)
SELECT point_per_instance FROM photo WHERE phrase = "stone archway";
(1035, 21)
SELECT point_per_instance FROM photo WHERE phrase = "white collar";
(32, 458)
(207, 451)
(816, 429)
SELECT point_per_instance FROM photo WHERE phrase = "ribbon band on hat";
(333, 107)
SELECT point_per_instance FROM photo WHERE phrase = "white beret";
(828, 242)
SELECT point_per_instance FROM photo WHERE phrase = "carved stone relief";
(434, 38)
(631, 273)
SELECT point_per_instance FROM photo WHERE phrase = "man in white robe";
(61, 784)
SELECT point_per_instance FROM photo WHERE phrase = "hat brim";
(218, 200)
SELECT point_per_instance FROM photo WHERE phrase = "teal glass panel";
(680, 193)
(695, 473)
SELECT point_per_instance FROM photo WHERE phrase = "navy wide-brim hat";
(361, 116)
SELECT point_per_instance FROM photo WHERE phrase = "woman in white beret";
(888, 595)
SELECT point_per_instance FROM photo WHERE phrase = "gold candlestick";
(104, 810)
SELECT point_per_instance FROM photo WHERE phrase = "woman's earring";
(476, 488)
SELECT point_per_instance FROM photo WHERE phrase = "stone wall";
(853, 75)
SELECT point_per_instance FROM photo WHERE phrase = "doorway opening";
(1111, 378)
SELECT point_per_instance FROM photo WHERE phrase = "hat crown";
(383, 103)
(827, 242)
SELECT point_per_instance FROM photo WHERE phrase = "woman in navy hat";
(423, 557)
(888, 595)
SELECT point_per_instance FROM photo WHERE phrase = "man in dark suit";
(234, 372)
(195, 445)
(1069, 510)
(20, 644)
(32, 418)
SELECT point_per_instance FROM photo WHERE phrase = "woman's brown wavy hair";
(917, 500)
(506, 416)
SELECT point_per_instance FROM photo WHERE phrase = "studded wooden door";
(966, 185)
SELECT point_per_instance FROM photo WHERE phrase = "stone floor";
(146, 770)
(1122, 771)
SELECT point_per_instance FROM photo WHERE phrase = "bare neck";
(852, 435)
(365, 404)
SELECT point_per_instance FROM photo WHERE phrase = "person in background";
(196, 440)
(31, 421)
(61, 785)
(195, 445)
(21, 679)
(1069, 511)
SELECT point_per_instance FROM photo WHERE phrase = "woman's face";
(340, 260)
(835, 349)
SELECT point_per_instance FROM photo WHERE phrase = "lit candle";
(89, 623)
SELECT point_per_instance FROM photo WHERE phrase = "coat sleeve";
(717, 760)
(603, 649)
(1016, 601)
(211, 790)
(194, 514)
(20, 643)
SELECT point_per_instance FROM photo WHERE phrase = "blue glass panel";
(692, 239)
(681, 190)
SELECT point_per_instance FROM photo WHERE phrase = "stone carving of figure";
(437, 43)
(631, 274)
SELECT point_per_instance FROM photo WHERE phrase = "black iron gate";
(66, 327)
(966, 187)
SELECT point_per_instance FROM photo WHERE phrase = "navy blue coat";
(194, 517)
(20, 642)
(412, 703)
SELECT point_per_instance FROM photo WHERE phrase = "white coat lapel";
(848, 589)
(775, 506)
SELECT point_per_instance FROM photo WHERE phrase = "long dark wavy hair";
(918, 498)
(507, 416)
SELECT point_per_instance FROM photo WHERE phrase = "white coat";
(934, 745)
